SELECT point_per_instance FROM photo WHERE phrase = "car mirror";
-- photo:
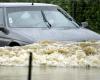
(84, 24)
(3, 29)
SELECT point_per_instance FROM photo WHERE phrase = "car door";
(3, 36)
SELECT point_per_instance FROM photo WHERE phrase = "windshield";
(57, 19)
(25, 17)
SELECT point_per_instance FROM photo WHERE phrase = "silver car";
(26, 23)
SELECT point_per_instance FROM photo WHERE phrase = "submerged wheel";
(13, 44)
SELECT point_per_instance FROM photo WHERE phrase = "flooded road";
(49, 73)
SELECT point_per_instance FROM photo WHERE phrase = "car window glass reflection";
(57, 19)
(26, 19)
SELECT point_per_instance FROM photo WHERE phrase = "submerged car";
(26, 23)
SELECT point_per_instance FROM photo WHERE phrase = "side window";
(1, 17)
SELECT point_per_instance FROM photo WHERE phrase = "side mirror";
(3, 29)
(84, 24)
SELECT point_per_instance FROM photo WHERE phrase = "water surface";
(49, 73)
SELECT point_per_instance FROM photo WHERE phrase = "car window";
(26, 18)
(1, 17)
(57, 19)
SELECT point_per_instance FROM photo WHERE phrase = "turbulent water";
(60, 54)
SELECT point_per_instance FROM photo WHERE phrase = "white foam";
(53, 54)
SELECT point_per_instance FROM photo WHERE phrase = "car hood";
(33, 35)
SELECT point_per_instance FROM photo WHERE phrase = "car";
(26, 23)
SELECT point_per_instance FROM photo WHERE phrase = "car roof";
(24, 4)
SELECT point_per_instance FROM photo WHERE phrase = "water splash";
(53, 54)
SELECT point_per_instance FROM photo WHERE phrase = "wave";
(58, 54)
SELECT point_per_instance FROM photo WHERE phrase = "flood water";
(49, 73)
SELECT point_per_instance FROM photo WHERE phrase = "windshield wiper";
(45, 20)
